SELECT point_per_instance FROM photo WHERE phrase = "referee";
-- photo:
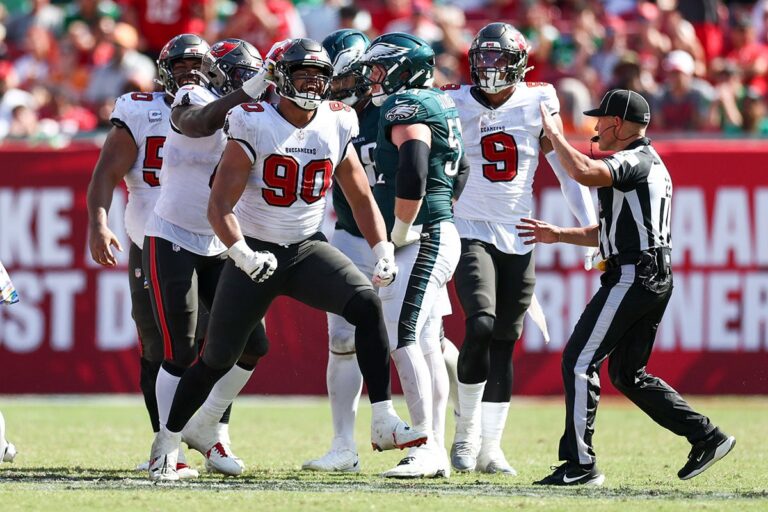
(633, 234)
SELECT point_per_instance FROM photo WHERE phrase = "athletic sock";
(440, 387)
(165, 389)
(468, 424)
(345, 383)
(417, 388)
(224, 392)
(494, 418)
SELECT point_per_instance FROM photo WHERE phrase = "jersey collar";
(642, 141)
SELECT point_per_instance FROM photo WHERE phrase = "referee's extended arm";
(585, 170)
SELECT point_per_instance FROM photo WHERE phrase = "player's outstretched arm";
(115, 160)
(230, 180)
(202, 121)
(585, 170)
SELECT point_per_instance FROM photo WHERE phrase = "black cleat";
(569, 473)
(706, 452)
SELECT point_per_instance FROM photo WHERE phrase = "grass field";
(76, 454)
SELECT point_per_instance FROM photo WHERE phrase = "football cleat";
(144, 466)
(182, 468)
(203, 437)
(570, 473)
(164, 456)
(392, 432)
(705, 453)
(494, 462)
(343, 460)
(9, 453)
(421, 462)
(463, 456)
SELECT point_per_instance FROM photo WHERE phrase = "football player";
(343, 378)
(418, 155)
(183, 257)
(503, 131)
(269, 197)
(133, 152)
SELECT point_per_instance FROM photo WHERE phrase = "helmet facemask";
(494, 69)
(316, 86)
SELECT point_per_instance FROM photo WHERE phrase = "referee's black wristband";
(412, 170)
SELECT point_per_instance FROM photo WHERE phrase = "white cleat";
(164, 456)
(343, 460)
(203, 437)
(9, 453)
(421, 462)
(182, 468)
(392, 432)
(463, 456)
(494, 462)
(144, 466)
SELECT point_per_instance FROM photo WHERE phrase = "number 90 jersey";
(437, 110)
(146, 116)
(284, 200)
(503, 152)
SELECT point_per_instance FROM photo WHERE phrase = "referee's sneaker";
(620, 322)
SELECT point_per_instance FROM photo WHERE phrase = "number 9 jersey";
(284, 200)
(437, 110)
(503, 152)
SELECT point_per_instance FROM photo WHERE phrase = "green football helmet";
(345, 47)
(408, 62)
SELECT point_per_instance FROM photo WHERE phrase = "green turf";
(75, 454)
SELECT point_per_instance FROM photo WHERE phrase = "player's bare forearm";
(202, 121)
(228, 186)
(534, 231)
(407, 209)
(115, 160)
(369, 221)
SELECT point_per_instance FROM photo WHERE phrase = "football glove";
(258, 265)
(385, 271)
(403, 234)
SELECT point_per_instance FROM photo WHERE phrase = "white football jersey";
(502, 146)
(292, 168)
(146, 116)
(188, 164)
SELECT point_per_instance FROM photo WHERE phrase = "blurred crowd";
(702, 64)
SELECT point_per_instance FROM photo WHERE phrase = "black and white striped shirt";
(635, 211)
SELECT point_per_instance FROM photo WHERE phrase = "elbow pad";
(413, 166)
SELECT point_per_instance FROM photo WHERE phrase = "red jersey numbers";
(142, 96)
(450, 87)
(284, 185)
(500, 149)
(252, 107)
(153, 160)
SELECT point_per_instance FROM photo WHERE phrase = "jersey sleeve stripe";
(122, 124)
(247, 147)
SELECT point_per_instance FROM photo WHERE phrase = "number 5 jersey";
(284, 199)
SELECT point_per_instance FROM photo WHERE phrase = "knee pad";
(479, 329)
(341, 335)
(363, 309)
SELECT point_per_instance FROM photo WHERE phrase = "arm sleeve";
(412, 170)
(461, 177)
(576, 195)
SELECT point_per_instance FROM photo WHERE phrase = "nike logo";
(569, 480)
(701, 456)
(400, 102)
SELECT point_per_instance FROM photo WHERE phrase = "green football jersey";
(365, 145)
(435, 109)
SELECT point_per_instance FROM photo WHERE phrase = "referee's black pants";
(621, 322)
